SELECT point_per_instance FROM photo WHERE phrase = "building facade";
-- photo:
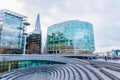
(70, 37)
(34, 40)
(116, 52)
(11, 32)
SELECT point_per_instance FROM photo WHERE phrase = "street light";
(25, 35)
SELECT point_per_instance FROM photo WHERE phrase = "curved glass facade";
(70, 37)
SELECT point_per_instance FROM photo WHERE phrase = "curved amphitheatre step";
(33, 76)
(70, 73)
(56, 74)
(48, 75)
(65, 72)
(73, 71)
(109, 65)
(98, 72)
(95, 73)
(19, 73)
(76, 75)
(81, 73)
(104, 64)
(111, 74)
(90, 75)
(52, 75)
(61, 73)
(39, 75)
(113, 68)
(10, 74)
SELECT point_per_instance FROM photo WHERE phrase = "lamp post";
(25, 36)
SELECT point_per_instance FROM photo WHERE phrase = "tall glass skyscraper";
(34, 40)
(11, 32)
(70, 37)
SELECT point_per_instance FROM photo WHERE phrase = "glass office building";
(70, 37)
(11, 32)
(33, 44)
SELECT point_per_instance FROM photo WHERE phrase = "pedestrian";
(105, 58)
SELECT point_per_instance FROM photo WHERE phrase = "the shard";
(34, 39)
(37, 25)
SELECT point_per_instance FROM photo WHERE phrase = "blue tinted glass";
(11, 31)
(71, 35)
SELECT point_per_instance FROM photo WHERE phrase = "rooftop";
(13, 13)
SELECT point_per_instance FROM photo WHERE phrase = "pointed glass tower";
(37, 29)
(34, 39)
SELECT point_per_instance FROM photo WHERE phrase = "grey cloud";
(103, 14)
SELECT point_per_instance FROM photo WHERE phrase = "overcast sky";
(103, 14)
